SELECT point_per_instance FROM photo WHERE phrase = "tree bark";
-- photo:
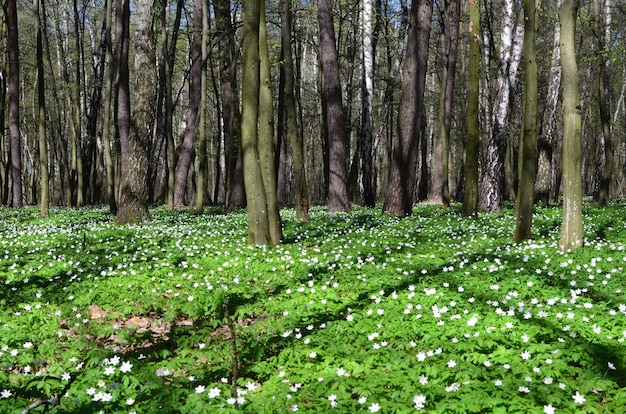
(14, 104)
(266, 134)
(369, 196)
(470, 195)
(403, 169)
(230, 115)
(135, 142)
(202, 159)
(545, 182)
(606, 156)
(168, 51)
(186, 154)
(450, 47)
(41, 118)
(572, 226)
(492, 182)
(528, 145)
(301, 190)
(335, 123)
(258, 220)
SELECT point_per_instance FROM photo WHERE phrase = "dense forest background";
(61, 122)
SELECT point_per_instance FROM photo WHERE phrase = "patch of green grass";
(356, 312)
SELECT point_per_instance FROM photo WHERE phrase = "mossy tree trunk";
(301, 190)
(528, 145)
(44, 201)
(259, 231)
(470, 195)
(572, 226)
(266, 134)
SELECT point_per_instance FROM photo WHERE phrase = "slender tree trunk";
(14, 105)
(528, 145)
(41, 117)
(77, 112)
(403, 169)
(201, 174)
(230, 116)
(301, 190)
(186, 154)
(266, 134)
(335, 122)
(545, 183)
(604, 94)
(452, 41)
(369, 196)
(572, 226)
(470, 195)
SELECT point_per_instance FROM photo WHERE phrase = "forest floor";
(356, 312)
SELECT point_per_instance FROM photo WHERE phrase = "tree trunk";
(338, 174)
(41, 117)
(186, 154)
(369, 196)
(604, 94)
(528, 145)
(168, 48)
(266, 134)
(572, 226)
(301, 189)
(470, 195)
(77, 113)
(451, 48)
(14, 105)
(403, 168)
(133, 199)
(258, 220)
(492, 182)
(545, 182)
(230, 116)
(202, 162)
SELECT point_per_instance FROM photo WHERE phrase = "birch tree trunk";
(14, 104)
(335, 123)
(606, 156)
(470, 194)
(369, 196)
(528, 144)
(571, 225)
(511, 39)
(546, 180)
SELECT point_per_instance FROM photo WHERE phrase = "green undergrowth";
(357, 312)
